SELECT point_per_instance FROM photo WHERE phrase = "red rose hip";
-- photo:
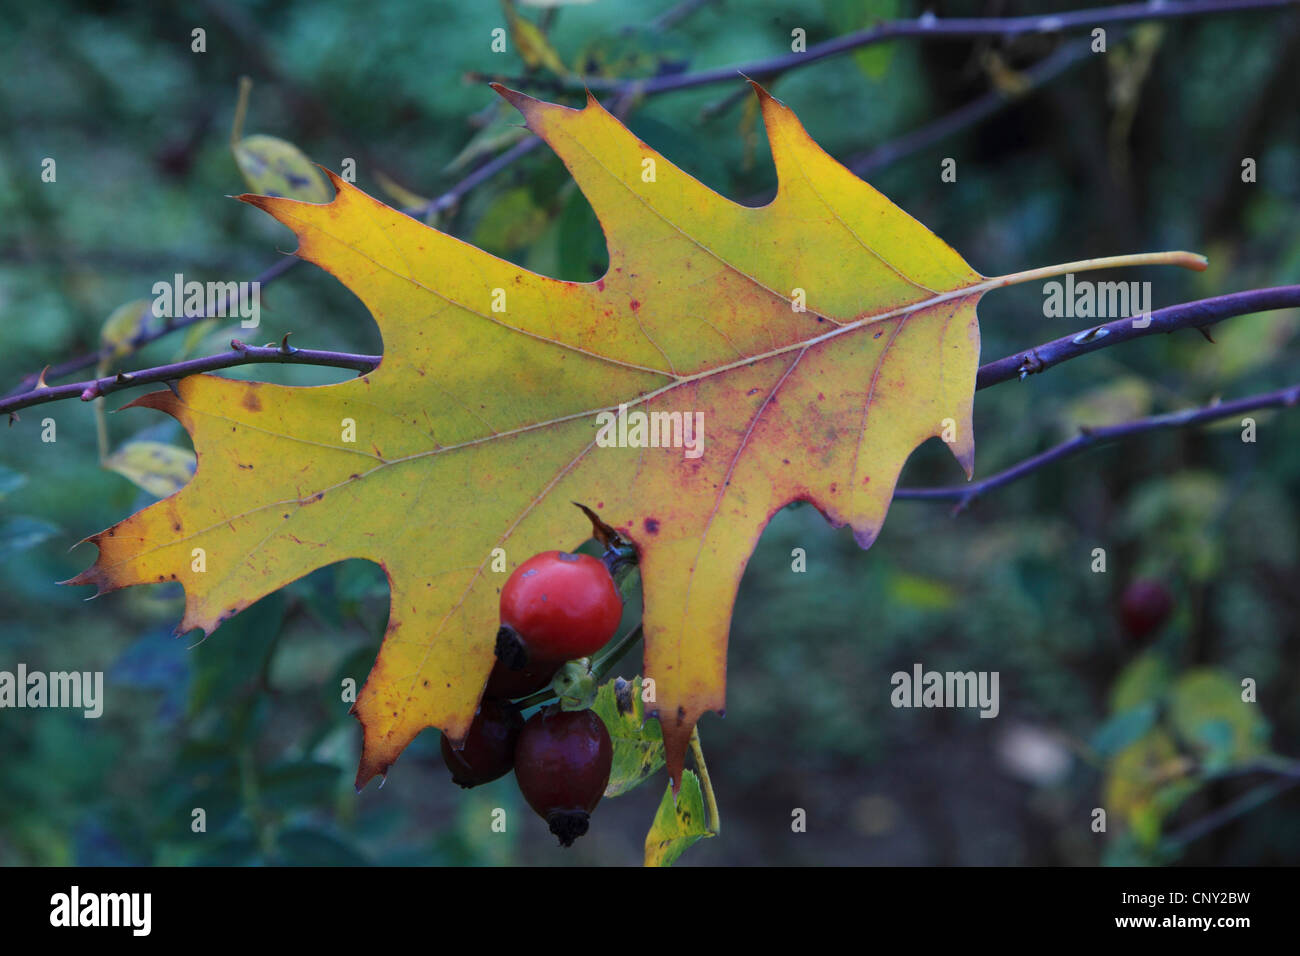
(562, 763)
(557, 607)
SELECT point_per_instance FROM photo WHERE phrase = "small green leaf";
(575, 685)
(1116, 401)
(293, 784)
(309, 847)
(512, 222)
(20, 532)
(275, 167)
(920, 592)
(1207, 712)
(1147, 781)
(846, 16)
(582, 252)
(1146, 679)
(638, 743)
(194, 337)
(409, 200)
(496, 137)
(533, 47)
(231, 851)
(677, 828)
(223, 669)
(1124, 728)
(158, 468)
(10, 480)
(122, 326)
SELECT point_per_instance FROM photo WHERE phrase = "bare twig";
(972, 113)
(677, 13)
(481, 175)
(239, 354)
(928, 27)
(1199, 315)
(1178, 841)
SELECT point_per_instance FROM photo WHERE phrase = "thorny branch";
(1198, 315)
(926, 26)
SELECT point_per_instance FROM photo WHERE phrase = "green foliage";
(638, 744)
(678, 824)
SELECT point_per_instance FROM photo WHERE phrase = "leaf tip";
(677, 737)
(337, 181)
(165, 400)
(93, 575)
(253, 199)
(520, 101)
(865, 537)
(759, 89)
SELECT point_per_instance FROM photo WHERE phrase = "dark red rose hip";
(1144, 608)
(562, 763)
(489, 750)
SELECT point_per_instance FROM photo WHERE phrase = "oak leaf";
(820, 338)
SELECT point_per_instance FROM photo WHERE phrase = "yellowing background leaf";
(125, 322)
(534, 49)
(677, 825)
(155, 466)
(279, 168)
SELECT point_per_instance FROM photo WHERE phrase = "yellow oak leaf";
(813, 343)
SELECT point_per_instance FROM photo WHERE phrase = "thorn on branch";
(171, 384)
(13, 417)
(962, 504)
(1206, 332)
(40, 380)
(285, 347)
(1091, 335)
(123, 378)
(1029, 365)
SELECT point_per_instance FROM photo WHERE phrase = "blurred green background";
(1136, 150)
